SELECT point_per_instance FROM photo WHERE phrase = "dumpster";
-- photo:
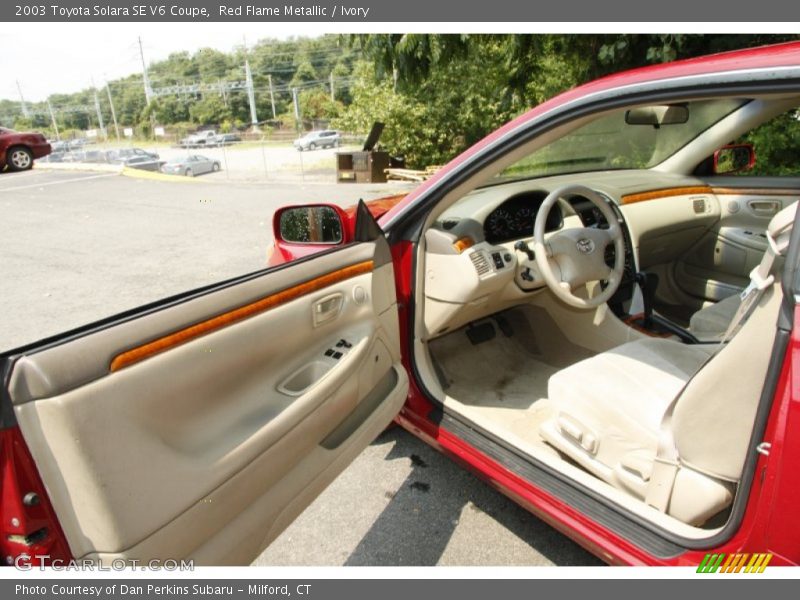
(367, 165)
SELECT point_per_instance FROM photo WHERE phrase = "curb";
(80, 167)
(156, 176)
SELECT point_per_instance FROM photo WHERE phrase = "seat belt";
(667, 461)
(760, 279)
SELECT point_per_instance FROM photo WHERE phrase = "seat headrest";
(780, 228)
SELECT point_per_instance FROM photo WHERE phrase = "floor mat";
(501, 384)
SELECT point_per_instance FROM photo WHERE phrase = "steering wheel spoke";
(614, 232)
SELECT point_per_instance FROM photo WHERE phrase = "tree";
(465, 85)
(209, 111)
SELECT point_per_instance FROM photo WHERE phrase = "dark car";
(144, 163)
(18, 150)
(124, 154)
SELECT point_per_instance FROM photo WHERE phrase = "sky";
(51, 58)
(64, 59)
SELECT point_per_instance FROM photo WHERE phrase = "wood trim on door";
(164, 343)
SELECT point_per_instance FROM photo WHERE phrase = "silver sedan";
(191, 165)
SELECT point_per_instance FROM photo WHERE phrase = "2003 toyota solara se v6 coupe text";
(594, 309)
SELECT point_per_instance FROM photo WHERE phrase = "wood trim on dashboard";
(666, 193)
(230, 317)
(753, 191)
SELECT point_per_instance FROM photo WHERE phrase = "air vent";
(699, 205)
(448, 224)
(481, 264)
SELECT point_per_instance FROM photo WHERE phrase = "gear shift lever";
(648, 282)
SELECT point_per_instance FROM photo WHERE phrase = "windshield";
(611, 143)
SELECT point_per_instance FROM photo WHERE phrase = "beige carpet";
(501, 384)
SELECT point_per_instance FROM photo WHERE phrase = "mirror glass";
(311, 225)
(733, 159)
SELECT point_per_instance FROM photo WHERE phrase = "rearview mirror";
(734, 158)
(314, 224)
(663, 114)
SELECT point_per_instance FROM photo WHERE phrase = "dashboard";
(478, 253)
(515, 217)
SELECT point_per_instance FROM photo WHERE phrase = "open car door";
(200, 426)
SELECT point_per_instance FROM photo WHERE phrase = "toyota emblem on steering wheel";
(585, 245)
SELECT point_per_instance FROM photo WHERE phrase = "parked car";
(225, 139)
(507, 311)
(190, 165)
(19, 150)
(144, 163)
(123, 154)
(201, 138)
(54, 157)
(95, 156)
(318, 139)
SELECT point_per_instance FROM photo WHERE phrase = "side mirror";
(320, 224)
(734, 158)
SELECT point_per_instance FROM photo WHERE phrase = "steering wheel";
(570, 258)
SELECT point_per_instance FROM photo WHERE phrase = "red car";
(594, 309)
(18, 150)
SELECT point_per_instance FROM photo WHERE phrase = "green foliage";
(777, 146)
(210, 110)
(317, 104)
(448, 91)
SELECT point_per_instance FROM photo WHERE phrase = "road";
(76, 247)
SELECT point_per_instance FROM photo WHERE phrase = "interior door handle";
(327, 308)
(764, 208)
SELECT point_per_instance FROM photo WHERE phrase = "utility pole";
(148, 91)
(53, 119)
(23, 106)
(333, 95)
(222, 93)
(296, 108)
(251, 94)
(272, 98)
(99, 112)
(113, 112)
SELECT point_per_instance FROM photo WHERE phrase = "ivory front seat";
(610, 409)
(711, 322)
(609, 412)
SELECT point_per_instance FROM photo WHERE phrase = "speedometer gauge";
(514, 219)
(500, 225)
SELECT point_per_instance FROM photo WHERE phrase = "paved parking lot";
(252, 161)
(76, 247)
